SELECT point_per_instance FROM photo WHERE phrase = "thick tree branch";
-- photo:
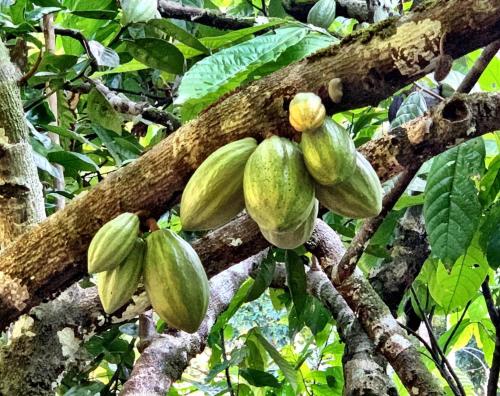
(164, 360)
(375, 318)
(482, 62)
(171, 9)
(156, 180)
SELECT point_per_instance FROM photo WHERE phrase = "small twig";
(494, 313)
(448, 340)
(475, 72)
(428, 91)
(24, 79)
(224, 358)
(435, 344)
(351, 257)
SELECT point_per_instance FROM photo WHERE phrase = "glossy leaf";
(157, 53)
(101, 112)
(138, 10)
(413, 106)
(263, 279)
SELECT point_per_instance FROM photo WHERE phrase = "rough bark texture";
(21, 199)
(38, 352)
(372, 64)
(164, 360)
(364, 368)
(409, 252)
(376, 319)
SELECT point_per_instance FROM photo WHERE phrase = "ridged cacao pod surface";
(329, 153)
(113, 243)
(117, 286)
(214, 194)
(306, 112)
(357, 197)
(175, 281)
(279, 192)
(293, 238)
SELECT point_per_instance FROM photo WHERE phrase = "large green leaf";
(72, 162)
(413, 106)
(452, 290)
(451, 208)
(224, 71)
(296, 280)
(101, 112)
(490, 182)
(259, 378)
(287, 369)
(179, 34)
(139, 10)
(493, 249)
(263, 279)
(157, 53)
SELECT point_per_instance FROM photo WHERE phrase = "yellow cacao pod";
(293, 238)
(116, 286)
(306, 112)
(113, 243)
(357, 197)
(214, 194)
(175, 281)
(329, 153)
(279, 192)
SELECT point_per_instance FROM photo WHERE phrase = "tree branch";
(494, 313)
(375, 318)
(170, 9)
(482, 62)
(155, 181)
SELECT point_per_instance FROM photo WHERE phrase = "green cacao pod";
(293, 238)
(113, 242)
(116, 287)
(306, 112)
(175, 281)
(279, 192)
(357, 197)
(214, 194)
(329, 153)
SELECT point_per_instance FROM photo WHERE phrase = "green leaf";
(296, 280)
(179, 34)
(263, 279)
(101, 112)
(138, 10)
(157, 53)
(322, 13)
(451, 209)
(259, 378)
(287, 369)
(67, 133)
(107, 15)
(493, 249)
(224, 71)
(490, 183)
(133, 65)
(72, 162)
(452, 290)
(412, 107)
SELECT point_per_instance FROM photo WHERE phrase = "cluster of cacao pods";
(173, 274)
(278, 180)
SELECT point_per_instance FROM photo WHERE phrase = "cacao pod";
(113, 242)
(116, 286)
(329, 153)
(293, 238)
(357, 197)
(214, 194)
(175, 281)
(279, 192)
(306, 112)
